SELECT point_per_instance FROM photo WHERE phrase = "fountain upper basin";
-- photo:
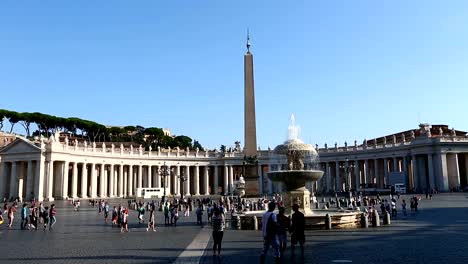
(294, 179)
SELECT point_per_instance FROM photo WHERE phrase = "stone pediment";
(19, 146)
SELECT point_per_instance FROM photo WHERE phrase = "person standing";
(106, 212)
(218, 231)
(297, 229)
(283, 226)
(403, 207)
(166, 214)
(24, 217)
(33, 216)
(124, 225)
(269, 232)
(199, 213)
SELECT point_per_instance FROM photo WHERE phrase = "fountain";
(301, 166)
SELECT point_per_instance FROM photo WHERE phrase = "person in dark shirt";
(283, 226)
(297, 230)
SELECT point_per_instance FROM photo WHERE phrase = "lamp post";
(164, 172)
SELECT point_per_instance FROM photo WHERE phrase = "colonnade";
(66, 179)
(419, 171)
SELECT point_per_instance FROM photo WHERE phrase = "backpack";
(271, 228)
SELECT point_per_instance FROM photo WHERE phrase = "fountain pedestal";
(299, 196)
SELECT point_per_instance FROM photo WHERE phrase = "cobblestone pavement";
(82, 237)
(437, 234)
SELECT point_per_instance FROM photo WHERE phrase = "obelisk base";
(251, 181)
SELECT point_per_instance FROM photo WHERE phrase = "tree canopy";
(93, 131)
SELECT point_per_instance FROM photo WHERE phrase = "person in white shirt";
(269, 232)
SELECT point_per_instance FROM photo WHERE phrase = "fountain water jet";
(302, 166)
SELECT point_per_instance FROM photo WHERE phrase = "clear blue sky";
(347, 69)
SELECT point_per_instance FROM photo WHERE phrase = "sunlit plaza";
(346, 179)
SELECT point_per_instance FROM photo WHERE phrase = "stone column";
(430, 172)
(395, 164)
(226, 180)
(158, 178)
(125, 180)
(440, 167)
(405, 170)
(29, 181)
(50, 180)
(270, 183)
(261, 177)
(206, 181)
(177, 180)
(376, 172)
(187, 180)
(366, 171)
(328, 177)
(20, 180)
(121, 180)
(215, 179)
(197, 180)
(357, 174)
(338, 184)
(93, 181)
(140, 176)
(414, 166)
(385, 178)
(150, 177)
(84, 181)
(3, 180)
(453, 170)
(111, 181)
(39, 180)
(231, 177)
(130, 180)
(74, 186)
(65, 180)
(102, 181)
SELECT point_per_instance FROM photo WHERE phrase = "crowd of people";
(33, 215)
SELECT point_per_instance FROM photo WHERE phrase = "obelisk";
(250, 130)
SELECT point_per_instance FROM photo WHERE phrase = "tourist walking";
(33, 216)
(151, 220)
(45, 217)
(218, 231)
(124, 224)
(41, 213)
(11, 215)
(269, 232)
(52, 216)
(297, 229)
(403, 207)
(141, 213)
(114, 216)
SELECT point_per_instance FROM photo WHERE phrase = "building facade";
(51, 169)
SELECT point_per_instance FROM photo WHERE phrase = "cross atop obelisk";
(250, 130)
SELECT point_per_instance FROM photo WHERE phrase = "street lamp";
(164, 172)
